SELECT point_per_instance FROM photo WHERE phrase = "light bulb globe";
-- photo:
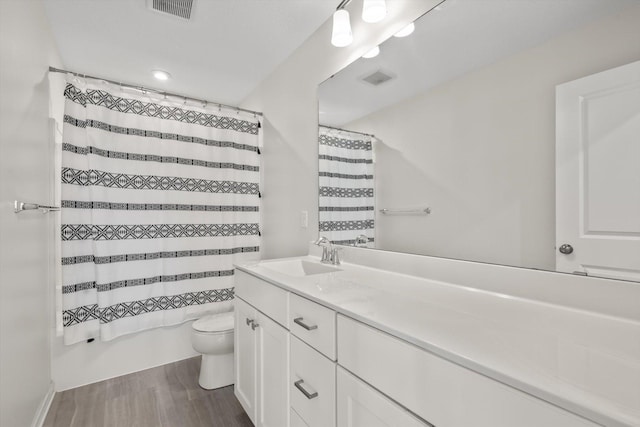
(341, 34)
(373, 11)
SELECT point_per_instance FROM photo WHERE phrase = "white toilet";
(212, 335)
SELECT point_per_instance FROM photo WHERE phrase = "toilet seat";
(215, 323)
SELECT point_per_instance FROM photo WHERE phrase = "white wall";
(26, 51)
(480, 150)
(288, 99)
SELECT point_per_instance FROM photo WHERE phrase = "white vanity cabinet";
(437, 390)
(261, 354)
(301, 364)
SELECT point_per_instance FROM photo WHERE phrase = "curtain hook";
(204, 104)
(185, 101)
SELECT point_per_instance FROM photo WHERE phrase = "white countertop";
(584, 362)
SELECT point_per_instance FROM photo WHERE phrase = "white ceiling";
(455, 38)
(221, 54)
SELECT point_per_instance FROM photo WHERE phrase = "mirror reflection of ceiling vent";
(377, 78)
(180, 8)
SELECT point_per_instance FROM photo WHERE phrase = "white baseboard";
(43, 409)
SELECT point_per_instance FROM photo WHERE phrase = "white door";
(359, 405)
(273, 373)
(598, 174)
(245, 357)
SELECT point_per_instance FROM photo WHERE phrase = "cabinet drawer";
(268, 298)
(437, 390)
(359, 405)
(312, 385)
(313, 324)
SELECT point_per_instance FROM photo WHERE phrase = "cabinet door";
(359, 405)
(245, 358)
(296, 420)
(273, 373)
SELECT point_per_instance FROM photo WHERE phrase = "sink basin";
(299, 267)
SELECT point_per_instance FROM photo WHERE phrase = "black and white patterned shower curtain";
(346, 200)
(159, 199)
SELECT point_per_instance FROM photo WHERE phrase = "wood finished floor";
(166, 396)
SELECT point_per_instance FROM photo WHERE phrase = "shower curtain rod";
(160, 92)
(346, 130)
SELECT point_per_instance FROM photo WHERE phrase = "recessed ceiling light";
(161, 75)
(406, 30)
(372, 53)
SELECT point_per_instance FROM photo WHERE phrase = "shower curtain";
(159, 199)
(346, 201)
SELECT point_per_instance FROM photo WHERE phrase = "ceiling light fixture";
(372, 53)
(161, 75)
(406, 30)
(373, 11)
(341, 35)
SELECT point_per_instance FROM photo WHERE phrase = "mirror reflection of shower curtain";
(159, 200)
(346, 199)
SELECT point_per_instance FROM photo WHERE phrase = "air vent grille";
(179, 8)
(377, 78)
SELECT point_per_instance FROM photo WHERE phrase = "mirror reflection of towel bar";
(22, 206)
(422, 211)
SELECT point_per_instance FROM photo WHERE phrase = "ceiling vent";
(180, 8)
(377, 78)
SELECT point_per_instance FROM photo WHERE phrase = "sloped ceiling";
(221, 54)
(455, 38)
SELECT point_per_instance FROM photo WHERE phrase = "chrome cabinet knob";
(566, 249)
(249, 322)
(254, 325)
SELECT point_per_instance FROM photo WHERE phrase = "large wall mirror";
(499, 131)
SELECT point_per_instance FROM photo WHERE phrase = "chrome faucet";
(361, 241)
(330, 254)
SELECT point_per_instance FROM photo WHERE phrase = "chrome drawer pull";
(300, 321)
(308, 395)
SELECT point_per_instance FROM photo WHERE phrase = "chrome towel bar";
(420, 211)
(22, 206)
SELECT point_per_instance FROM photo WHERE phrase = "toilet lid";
(215, 322)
